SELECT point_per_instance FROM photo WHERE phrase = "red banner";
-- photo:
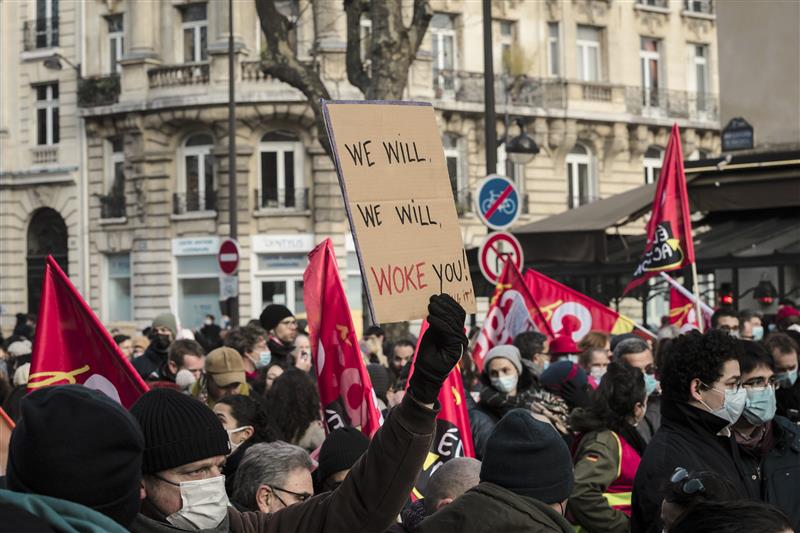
(513, 310)
(345, 390)
(453, 436)
(669, 230)
(73, 347)
(6, 427)
(568, 311)
(682, 312)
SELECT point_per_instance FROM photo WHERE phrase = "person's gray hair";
(451, 480)
(266, 464)
(627, 346)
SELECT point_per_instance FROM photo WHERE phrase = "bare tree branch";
(355, 63)
(280, 61)
(420, 19)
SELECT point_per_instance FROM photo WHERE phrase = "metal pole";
(488, 90)
(233, 221)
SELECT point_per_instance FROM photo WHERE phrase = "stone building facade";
(597, 83)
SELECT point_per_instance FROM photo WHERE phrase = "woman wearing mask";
(246, 422)
(505, 385)
(607, 451)
(768, 441)
(293, 405)
(595, 362)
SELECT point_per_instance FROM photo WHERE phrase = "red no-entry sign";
(495, 250)
(228, 257)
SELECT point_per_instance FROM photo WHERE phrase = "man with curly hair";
(701, 399)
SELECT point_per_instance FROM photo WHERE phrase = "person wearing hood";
(525, 481)
(281, 326)
(185, 445)
(152, 365)
(773, 441)
(608, 451)
(701, 399)
(74, 461)
(506, 385)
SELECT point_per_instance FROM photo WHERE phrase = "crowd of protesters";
(685, 433)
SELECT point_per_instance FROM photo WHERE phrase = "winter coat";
(780, 470)
(688, 437)
(788, 399)
(604, 464)
(18, 512)
(280, 351)
(490, 508)
(369, 499)
(152, 363)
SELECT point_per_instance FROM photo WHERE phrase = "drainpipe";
(83, 174)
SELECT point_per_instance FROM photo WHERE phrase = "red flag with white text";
(73, 347)
(669, 230)
(513, 310)
(453, 436)
(345, 390)
(568, 311)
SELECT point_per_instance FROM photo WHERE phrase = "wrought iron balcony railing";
(273, 198)
(183, 203)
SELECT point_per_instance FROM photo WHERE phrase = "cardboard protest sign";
(398, 198)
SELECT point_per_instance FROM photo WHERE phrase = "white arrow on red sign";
(228, 257)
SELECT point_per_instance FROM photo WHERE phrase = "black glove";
(441, 347)
(576, 396)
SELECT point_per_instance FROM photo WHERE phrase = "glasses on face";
(760, 384)
(688, 486)
(300, 497)
(733, 387)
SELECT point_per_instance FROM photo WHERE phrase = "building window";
(119, 303)
(650, 58)
(699, 75)
(354, 282)
(281, 172)
(196, 187)
(195, 33)
(280, 276)
(112, 204)
(652, 164)
(291, 10)
(45, 33)
(443, 39)
(580, 173)
(116, 43)
(699, 6)
(507, 39)
(454, 158)
(553, 49)
(198, 288)
(47, 130)
(589, 53)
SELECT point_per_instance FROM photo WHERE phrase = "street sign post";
(498, 202)
(495, 250)
(228, 257)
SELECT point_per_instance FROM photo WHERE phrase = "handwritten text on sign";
(400, 204)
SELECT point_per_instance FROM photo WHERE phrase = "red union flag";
(567, 311)
(73, 347)
(453, 437)
(669, 230)
(345, 390)
(513, 310)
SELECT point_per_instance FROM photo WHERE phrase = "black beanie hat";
(177, 430)
(529, 458)
(340, 450)
(78, 445)
(272, 315)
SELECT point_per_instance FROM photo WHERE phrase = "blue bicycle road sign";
(498, 202)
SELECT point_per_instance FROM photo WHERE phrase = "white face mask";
(597, 372)
(732, 406)
(505, 384)
(231, 432)
(204, 504)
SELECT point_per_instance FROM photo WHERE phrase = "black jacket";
(151, 366)
(788, 399)
(780, 470)
(688, 437)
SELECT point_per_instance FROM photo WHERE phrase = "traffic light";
(725, 292)
(765, 292)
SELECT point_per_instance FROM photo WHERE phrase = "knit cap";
(177, 430)
(529, 458)
(340, 450)
(506, 351)
(166, 320)
(272, 315)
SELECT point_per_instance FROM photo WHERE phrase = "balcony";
(251, 71)
(191, 202)
(661, 103)
(178, 75)
(463, 86)
(112, 206)
(98, 91)
(40, 33)
(702, 7)
(284, 199)
(44, 155)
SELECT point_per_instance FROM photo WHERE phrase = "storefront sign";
(195, 246)
(278, 243)
(394, 179)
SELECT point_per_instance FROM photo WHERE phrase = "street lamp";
(522, 148)
(53, 62)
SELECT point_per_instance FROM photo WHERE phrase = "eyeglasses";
(300, 496)
(760, 385)
(688, 486)
(734, 387)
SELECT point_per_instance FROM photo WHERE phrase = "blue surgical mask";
(732, 406)
(758, 333)
(760, 406)
(650, 383)
(787, 379)
(264, 359)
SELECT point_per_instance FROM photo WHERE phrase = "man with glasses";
(281, 325)
(272, 476)
(725, 319)
(771, 442)
(701, 399)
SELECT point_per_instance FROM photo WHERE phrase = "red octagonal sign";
(228, 257)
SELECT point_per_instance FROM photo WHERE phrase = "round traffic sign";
(495, 250)
(228, 256)
(498, 202)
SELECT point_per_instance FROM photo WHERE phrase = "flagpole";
(696, 289)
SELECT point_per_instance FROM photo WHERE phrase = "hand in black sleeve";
(441, 348)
